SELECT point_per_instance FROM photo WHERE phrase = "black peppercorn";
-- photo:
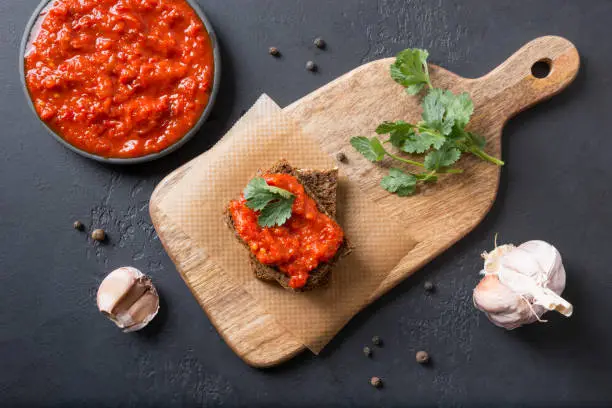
(367, 351)
(376, 341)
(311, 66)
(422, 357)
(319, 43)
(98, 235)
(428, 286)
(341, 157)
(274, 51)
(78, 225)
(376, 382)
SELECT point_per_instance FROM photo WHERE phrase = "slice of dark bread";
(321, 186)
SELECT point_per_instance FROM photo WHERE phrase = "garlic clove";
(140, 312)
(493, 297)
(502, 306)
(128, 298)
(547, 255)
(550, 261)
(114, 287)
(520, 264)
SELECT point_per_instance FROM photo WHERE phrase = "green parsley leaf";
(410, 70)
(429, 139)
(443, 110)
(371, 149)
(460, 109)
(273, 203)
(404, 136)
(258, 193)
(464, 140)
(275, 213)
(435, 106)
(399, 138)
(457, 135)
(399, 126)
(400, 183)
(444, 157)
(400, 132)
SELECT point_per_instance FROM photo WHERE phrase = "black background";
(55, 348)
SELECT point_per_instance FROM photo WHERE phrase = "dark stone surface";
(56, 350)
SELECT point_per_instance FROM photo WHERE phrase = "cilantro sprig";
(440, 135)
(373, 150)
(273, 203)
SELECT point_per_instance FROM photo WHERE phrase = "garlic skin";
(128, 298)
(521, 283)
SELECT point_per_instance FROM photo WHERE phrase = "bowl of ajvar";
(120, 81)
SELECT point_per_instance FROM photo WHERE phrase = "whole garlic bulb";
(521, 283)
(128, 298)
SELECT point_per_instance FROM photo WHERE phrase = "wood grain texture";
(438, 216)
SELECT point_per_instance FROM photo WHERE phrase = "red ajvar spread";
(120, 78)
(306, 240)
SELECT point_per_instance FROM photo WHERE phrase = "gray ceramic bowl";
(213, 95)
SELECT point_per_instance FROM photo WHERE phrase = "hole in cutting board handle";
(541, 69)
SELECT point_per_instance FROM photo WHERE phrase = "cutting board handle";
(513, 87)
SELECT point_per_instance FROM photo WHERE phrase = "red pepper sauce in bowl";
(120, 78)
(308, 239)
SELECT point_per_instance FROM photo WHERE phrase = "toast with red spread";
(321, 187)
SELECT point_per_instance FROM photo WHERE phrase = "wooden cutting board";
(440, 215)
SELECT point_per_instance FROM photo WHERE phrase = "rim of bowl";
(131, 160)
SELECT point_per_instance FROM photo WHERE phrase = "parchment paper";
(262, 137)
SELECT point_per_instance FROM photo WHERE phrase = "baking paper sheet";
(262, 137)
